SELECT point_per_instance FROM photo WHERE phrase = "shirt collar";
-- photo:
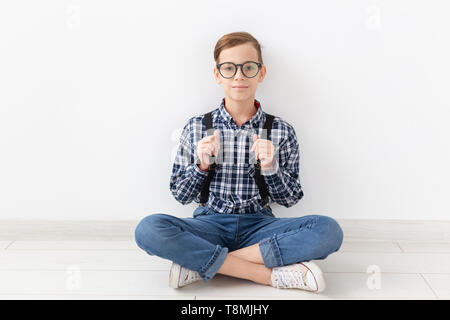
(254, 121)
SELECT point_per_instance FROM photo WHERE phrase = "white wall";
(93, 96)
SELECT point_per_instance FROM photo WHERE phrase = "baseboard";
(67, 229)
(395, 230)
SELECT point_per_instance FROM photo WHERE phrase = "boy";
(233, 231)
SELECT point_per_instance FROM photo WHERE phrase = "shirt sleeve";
(282, 180)
(187, 178)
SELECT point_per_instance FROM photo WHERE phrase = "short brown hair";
(234, 39)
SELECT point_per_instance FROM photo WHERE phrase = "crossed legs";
(246, 263)
(300, 239)
(284, 241)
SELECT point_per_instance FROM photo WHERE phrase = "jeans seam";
(273, 242)
(202, 231)
(236, 239)
(211, 261)
(274, 249)
(288, 233)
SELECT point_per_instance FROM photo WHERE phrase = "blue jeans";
(202, 242)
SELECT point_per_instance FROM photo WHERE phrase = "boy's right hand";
(208, 146)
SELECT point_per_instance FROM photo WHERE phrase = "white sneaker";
(180, 276)
(303, 275)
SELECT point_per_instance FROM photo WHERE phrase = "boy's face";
(239, 54)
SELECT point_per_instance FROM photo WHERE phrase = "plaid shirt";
(233, 188)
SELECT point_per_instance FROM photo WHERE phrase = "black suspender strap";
(204, 195)
(259, 179)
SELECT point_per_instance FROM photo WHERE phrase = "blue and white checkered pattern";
(233, 188)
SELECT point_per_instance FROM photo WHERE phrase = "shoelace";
(191, 276)
(288, 278)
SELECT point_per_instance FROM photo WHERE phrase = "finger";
(204, 145)
(216, 148)
(272, 150)
(213, 145)
(208, 138)
(255, 142)
(264, 155)
(264, 149)
(266, 160)
(206, 149)
(255, 138)
(216, 135)
(211, 149)
(265, 144)
(212, 137)
(205, 158)
(217, 138)
(269, 145)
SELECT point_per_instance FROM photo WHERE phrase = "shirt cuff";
(273, 177)
(273, 170)
(199, 173)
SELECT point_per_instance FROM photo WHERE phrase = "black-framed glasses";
(249, 69)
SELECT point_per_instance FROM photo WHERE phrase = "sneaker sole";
(174, 277)
(318, 275)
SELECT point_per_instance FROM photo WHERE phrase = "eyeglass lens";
(250, 69)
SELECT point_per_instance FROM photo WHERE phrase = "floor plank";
(79, 265)
(83, 259)
(369, 246)
(386, 262)
(339, 286)
(123, 283)
(425, 247)
(139, 260)
(396, 230)
(4, 244)
(347, 246)
(74, 245)
(440, 284)
(155, 284)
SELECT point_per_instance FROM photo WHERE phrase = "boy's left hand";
(264, 151)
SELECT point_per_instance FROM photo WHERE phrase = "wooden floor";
(85, 267)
